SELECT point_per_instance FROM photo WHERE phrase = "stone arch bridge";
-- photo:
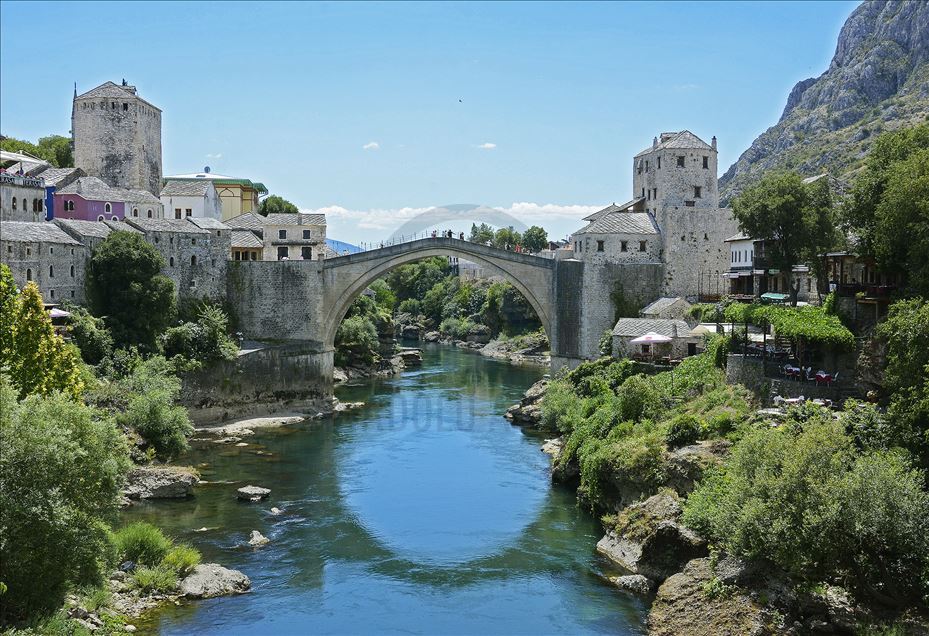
(304, 301)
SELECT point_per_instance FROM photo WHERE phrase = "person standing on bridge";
(433, 233)
(460, 236)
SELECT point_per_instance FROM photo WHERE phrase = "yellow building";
(238, 196)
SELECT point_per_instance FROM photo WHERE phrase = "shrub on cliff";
(61, 467)
(204, 340)
(356, 342)
(90, 334)
(683, 430)
(801, 497)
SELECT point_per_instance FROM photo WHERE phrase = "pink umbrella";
(651, 338)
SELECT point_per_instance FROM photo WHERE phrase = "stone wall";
(612, 248)
(30, 200)
(57, 268)
(284, 375)
(694, 248)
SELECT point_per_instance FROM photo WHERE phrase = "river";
(425, 512)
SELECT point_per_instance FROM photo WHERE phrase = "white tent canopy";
(651, 338)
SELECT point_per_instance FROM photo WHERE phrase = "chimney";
(654, 141)
(713, 142)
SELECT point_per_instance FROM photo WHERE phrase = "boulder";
(211, 579)
(275, 510)
(479, 334)
(256, 539)
(160, 482)
(432, 336)
(695, 602)
(686, 465)
(339, 375)
(529, 410)
(410, 331)
(411, 357)
(647, 538)
(635, 583)
(253, 493)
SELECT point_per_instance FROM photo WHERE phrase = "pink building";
(90, 199)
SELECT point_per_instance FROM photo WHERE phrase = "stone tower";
(117, 137)
(676, 178)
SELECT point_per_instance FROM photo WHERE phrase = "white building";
(186, 199)
(283, 236)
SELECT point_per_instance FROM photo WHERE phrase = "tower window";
(51, 271)
(706, 163)
(113, 105)
(125, 106)
(599, 246)
(171, 261)
(72, 271)
(680, 161)
(28, 274)
(698, 191)
(659, 162)
(646, 165)
(642, 245)
(100, 217)
(193, 260)
(623, 246)
(14, 203)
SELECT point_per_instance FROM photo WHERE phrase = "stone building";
(674, 308)
(237, 195)
(750, 275)
(619, 234)
(286, 236)
(42, 252)
(22, 198)
(195, 257)
(186, 199)
(628, 329)
(246, 245)
(117, 137)
(91, 233)
(90, 199)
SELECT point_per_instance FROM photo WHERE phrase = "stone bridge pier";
(303, 302)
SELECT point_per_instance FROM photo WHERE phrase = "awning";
(773, 297)
(650, 338)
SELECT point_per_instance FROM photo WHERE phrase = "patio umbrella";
(651, 338)
(54, 312)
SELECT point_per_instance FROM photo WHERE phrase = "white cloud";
(487, 146)
(371, 145)
(218, 155)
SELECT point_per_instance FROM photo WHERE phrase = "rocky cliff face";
(878, 80)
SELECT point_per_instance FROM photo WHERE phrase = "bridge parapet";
(453, 245)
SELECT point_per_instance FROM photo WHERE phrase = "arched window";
(149, 214)
(171, 261)
(107, 208)
(72, 271)
(14, 203)
(135, 211)
(193, 260)
(51, 271)
(28, 274)
(100, 218)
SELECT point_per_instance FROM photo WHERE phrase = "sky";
(373, 113)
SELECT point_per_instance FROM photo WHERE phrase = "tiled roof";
(622, 223)
(660, 305)
(613, 208)
(253, 221)
(208, 223)
(635, 327)
(245, 239)
(54, 176)
(685, 140)
(33, 232)
(247, 221)
(176, 188)
(179, 226)
(120, 226)
(93, 189)
(93, 229)
(141, 196)
(108, 89)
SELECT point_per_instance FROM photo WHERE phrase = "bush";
(683, 430)
(181, 559)
(90, 335)
(61, 469)
(605, 345)
(561, 409)
(141, 543)
(457, 328)
(410, 306)
(205, 340)
(356, 342)
(639, 397)
(157, 579)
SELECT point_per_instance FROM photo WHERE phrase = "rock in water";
(257, 539)
(529, 410)
(253, 493)
(634, 583)
(160, 482)
(211, 579)
(275, 510)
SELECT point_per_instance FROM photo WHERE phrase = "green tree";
(55, 149)
(794, 220)
(90, 335)
(356, 342)
(482, 234)
(61, 468)
(535, 239)
(860, 209)
(126, 288)
(506, 238)
(276, 205)
(38, 361)
(415, 279)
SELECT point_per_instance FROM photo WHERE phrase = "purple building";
(90, 199)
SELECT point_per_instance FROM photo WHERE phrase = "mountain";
(878, 80)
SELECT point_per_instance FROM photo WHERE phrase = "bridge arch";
(348, 276)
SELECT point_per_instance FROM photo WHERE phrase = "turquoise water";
(425, 512)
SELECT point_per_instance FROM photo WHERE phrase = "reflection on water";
(423, 513)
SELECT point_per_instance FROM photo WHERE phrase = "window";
(639, 168)
(72, 251)
(706, 163)
(642, 245)
(659, 162)
(238, 256)
(28, 251)
(177, 213)
(680, 161)
(646, 348)
(107, 208)
(100, 218)
(188, 212)
(282, 253)
(135, 211)
(14, 203)
(649, 194)
(171, 261)
(125, 106)
(193, 284)
(643, 192)
(171, 240)
(51, 250)
(282, 234)
(655, 194)
(28, 274)
(72, 293)
(51, 293)
(698, 192)
(149, 214)
(688, 204)
(307, 234)
(646, 165)
(306, 253)
(51, 271)
(193, 241)
(623, 246)
(72, 271)
(193, 260)
(254, 256)
(113, 105)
